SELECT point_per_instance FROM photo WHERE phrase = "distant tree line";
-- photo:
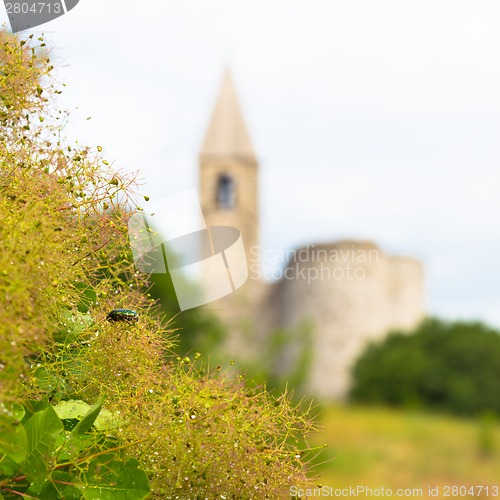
(446, 366)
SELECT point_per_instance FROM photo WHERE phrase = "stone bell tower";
(228, 173)
(228, 177)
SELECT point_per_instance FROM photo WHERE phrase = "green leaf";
(73, 324)
(88, 420)
(13, 439)
(66, 484)
(42, 429)
(73, 364)
(47, 491)
(76, 409)
(32, 406)
(18, 411)
(60, 485)
(108, 478)
(107, 420)
(88, 297)
(73, 408)
(79, 439)
(46, 380)
(8, 467)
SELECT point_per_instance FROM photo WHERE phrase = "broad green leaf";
(42, 429)
(73, 448)
(73, 324)
(88, 297)
(13, 439)
(47, 491)
(108, 478)
(107, 420)
(72, 409)
(33, 406)
(8, 467)
(79, 439)
(18, 411)
(60, 485)
(14, 410)
(88, 420)
(66, 491)
(76, 409)
(73, 363)
(46, 380)
(68, 449)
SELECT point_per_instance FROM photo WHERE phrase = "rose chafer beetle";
(127, 315)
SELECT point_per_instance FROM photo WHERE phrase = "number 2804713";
(33, 8)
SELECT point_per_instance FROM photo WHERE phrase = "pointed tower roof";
(227, 134)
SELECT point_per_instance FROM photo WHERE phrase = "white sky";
(373, 120)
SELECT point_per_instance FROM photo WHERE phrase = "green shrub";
(445, 366)
(64, 264)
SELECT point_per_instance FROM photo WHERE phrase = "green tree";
(445, 366)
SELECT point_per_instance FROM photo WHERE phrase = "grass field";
(388, 448)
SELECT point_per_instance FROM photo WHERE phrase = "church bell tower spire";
(228, 172)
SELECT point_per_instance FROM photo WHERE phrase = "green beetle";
(127, 315)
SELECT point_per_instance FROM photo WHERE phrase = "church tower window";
(226, 196)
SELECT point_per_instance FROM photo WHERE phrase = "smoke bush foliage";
(89, 408)
(453, 367)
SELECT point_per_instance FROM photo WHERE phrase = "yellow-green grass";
(380, 447)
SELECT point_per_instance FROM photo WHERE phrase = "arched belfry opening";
(226, 192)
